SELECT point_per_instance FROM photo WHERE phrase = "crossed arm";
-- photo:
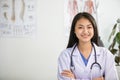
(68, 73)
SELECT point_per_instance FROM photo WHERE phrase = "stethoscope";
(94, 63)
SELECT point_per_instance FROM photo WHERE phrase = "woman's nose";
(85, 30)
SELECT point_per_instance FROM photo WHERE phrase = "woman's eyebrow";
(89, 24)
(83, 25)
(80, 25)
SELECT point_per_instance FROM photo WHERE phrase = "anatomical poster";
(72, 7)
(17, 18)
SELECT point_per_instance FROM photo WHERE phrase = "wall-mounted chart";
(17, 18)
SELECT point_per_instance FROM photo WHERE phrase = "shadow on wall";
(100, 42)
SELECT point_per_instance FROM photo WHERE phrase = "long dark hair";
(72, 38)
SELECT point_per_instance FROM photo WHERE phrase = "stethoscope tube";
(95, 59)
(71, 62)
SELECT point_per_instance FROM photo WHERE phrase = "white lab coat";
(82, 72)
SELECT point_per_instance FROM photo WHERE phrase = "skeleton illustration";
(72, 8)
(5, 15)
(5, 6)
(89, 7)
(13, 10)
(22, 10)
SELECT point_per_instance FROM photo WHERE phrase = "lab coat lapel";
(78, 57)
(91, 59)
(92, 56)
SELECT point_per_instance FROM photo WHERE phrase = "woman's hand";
(100, 78)
(68, 73)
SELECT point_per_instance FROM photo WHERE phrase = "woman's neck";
(85, 49)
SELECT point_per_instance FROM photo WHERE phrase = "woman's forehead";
(83, 21)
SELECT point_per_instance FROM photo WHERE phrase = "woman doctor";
(84, 59)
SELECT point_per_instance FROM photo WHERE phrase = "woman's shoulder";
(100, 48)
(105, 51)
(66, 53)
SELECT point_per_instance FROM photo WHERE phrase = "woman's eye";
(80, 27)
(89, 27)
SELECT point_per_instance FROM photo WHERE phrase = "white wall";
(36, 58)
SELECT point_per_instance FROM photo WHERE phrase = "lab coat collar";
(76, 51)
(97, 48)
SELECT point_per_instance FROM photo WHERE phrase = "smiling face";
(84, 30)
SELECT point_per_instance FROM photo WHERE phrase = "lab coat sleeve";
(110, 68)
(63, 64)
